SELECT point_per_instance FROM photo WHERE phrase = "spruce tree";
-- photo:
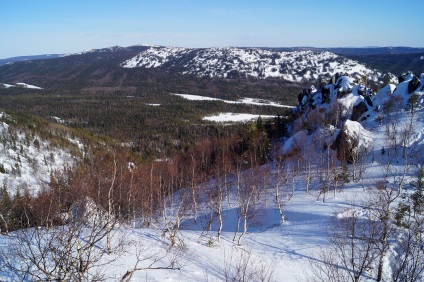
(418, 196)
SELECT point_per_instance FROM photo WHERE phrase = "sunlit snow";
(249, 101)
(233, 117)
(239, 62)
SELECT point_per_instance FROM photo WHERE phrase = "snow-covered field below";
(234, 117)
(285, 251)
(19, 84)
(247, 101)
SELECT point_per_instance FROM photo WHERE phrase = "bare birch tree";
(75, 251)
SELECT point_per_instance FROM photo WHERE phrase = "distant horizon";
(63, 27)
(153, 45)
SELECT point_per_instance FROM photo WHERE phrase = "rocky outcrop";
(344, 145)
(352, 140)
(403, 77)
(358, 111)
(413, 84)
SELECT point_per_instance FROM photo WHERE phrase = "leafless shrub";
(242, 266)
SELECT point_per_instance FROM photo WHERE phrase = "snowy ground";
(234, 117)
(248, 101)
(286, 248)
(20, 84)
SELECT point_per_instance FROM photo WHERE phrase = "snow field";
(20, 84)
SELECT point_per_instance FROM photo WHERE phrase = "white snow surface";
(357, 131)
(5, 85)
(233, 117)
(20, 84)
(25, 85)
(249, 101)
(310, 144)
(155, 57)
(239, 62)
(346, 83)
(382, 96)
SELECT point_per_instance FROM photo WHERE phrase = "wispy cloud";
(112, 35)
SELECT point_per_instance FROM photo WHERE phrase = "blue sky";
(43, 26)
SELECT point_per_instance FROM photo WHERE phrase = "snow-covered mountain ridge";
(234, 62)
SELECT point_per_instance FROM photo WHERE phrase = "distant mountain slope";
(85, 69)
(295, 66)
(396, 60)
(394, 63)
(144, 70)
(358, 51)
(28, 58)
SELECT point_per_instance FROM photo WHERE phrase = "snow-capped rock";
(353, 139)
(310, 144)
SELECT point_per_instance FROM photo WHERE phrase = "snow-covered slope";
(240, 62)
(27, 159)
